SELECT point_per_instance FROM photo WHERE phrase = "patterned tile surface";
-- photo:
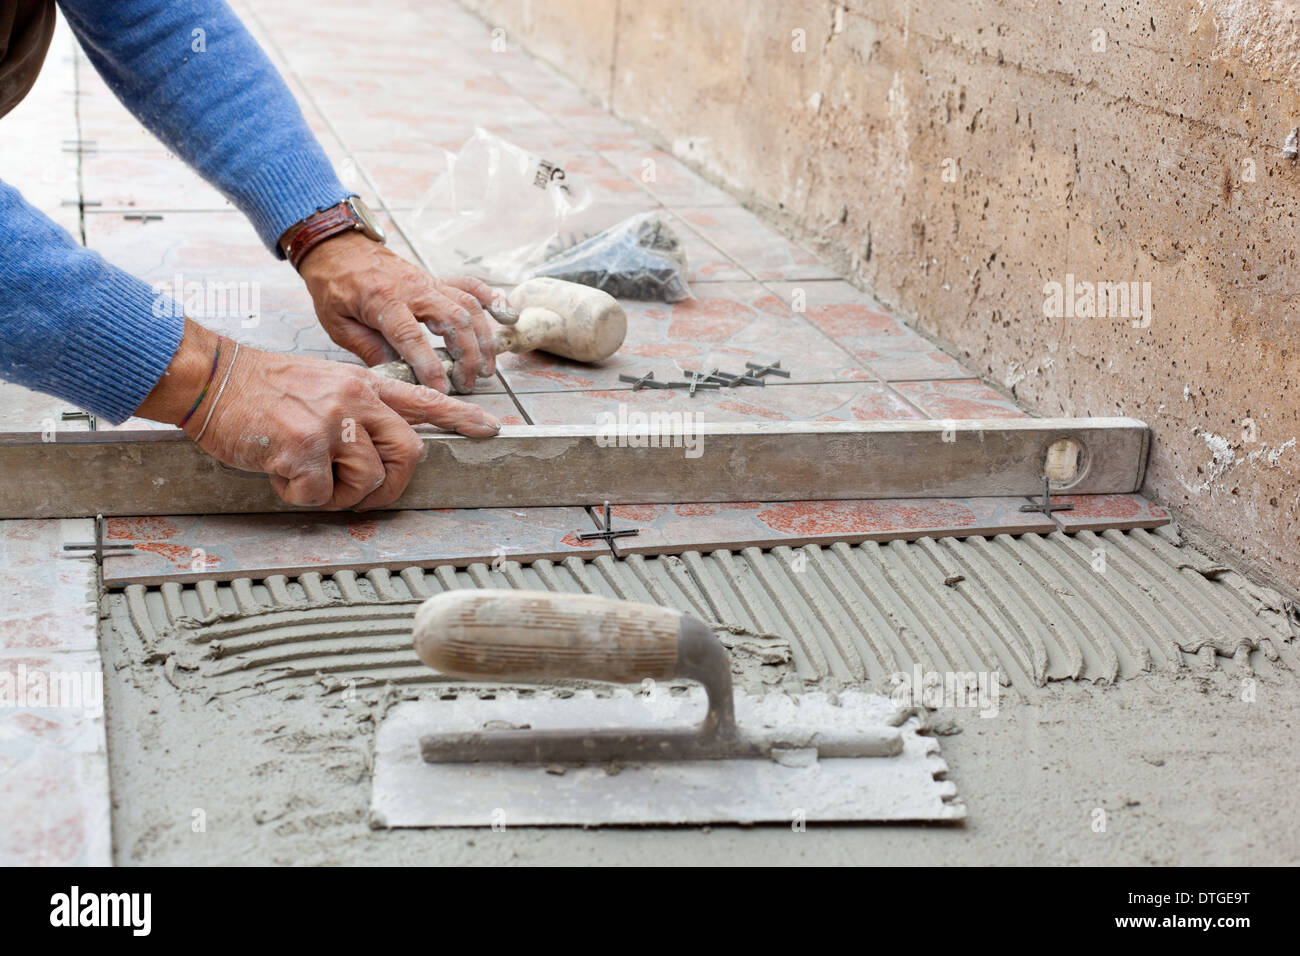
(958, 399)
(756, 246)
(885, 345)
(675, 528)
(1099, 512)
(227, 546)
(667, 178)
(53, 761)
(724, 326)
(846, 401)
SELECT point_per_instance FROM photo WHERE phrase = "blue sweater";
(72, 325)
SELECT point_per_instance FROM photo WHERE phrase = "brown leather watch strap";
(315, 229)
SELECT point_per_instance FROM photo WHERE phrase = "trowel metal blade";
(408, 792)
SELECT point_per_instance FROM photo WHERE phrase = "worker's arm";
(192, 74)
(195, 77)
(74, 326)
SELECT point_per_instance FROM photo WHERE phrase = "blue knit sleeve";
(72, 325)
(195, 77)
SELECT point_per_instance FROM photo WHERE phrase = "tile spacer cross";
(98, 546)
(645, 381)
(773, 368)
(1046, 506)
(608, 534)
(731, 379)
(700, 380)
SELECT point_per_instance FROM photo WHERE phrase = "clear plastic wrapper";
(497, 212)
(504, 214)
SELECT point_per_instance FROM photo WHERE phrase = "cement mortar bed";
(1184, 769)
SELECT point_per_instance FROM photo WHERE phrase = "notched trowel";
(621, 758)
(535, 636)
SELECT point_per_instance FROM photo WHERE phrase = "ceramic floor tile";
(47, 595)
(883, 343)
(724, 326)
(959, 399)
(105, 123)
(705, 262)
(846, 401)
(46, 178)
(22, 410)
(40, 135)
(607, 184)
(395, 129)
(228, 546)
(668, 179)
(465, 83)
(598, 130)
(54, 793)
(754, 245)
(152, 179)
(1099, 512)
(180, 242)
(401, 179)
(54, 789)
(671, 529)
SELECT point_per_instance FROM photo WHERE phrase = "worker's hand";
(328, 434)
(375, 304)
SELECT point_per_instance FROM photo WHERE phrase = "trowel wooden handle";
(540, 635)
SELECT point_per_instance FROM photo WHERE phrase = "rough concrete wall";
(955, 156)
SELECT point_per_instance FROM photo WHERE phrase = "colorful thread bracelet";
(217, 401)
(211, 376)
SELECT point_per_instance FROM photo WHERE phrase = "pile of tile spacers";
(753, 375)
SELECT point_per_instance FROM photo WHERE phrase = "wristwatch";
(351, 214)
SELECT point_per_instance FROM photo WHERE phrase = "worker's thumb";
(427, 406)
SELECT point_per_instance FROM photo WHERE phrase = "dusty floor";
(1197, 768)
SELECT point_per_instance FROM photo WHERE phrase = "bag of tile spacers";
(639, 258)
(504, 214)
(497, 212)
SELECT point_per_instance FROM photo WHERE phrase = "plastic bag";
(640, 258)
(498, 211)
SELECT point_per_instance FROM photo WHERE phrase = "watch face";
(368, 223)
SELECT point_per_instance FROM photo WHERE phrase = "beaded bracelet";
(211, 375)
